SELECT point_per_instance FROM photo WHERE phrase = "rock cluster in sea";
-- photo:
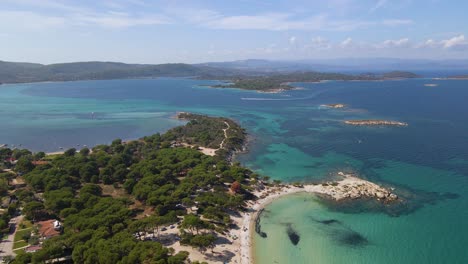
(353, 188)
(375, 123)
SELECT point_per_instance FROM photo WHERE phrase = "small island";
(337, 106)
(400, 75)
(375, 123)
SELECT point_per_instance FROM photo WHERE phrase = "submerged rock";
(329, 221)
(258, 227)
(293, 235)
(353, 238)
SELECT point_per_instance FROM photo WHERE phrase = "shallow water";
(294, 139)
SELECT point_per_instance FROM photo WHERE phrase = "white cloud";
(347, 43)
(457, 42)
(430, 43)
(275, 21)
(397, 22)
(379, 4)
(292, 40)
(49, 14)
(390, 43)
(269, 21)
(39, 21)
(117, 20)
(193, 15)
(319, 43)
(29, 21)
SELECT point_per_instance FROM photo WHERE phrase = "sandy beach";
(236, 245)
(350, 187)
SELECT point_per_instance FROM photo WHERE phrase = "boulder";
(380, 195)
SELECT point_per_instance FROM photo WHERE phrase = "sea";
(294, 137)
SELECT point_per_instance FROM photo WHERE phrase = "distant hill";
(461, 76)
(399, 74)
(15, 72)
(347, 65)
(19, 72)
(261, 65)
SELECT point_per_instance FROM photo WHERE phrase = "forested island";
(281, 82)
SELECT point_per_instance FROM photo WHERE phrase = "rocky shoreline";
(375, 123)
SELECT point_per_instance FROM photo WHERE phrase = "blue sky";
(139, 31)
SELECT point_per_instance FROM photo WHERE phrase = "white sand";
(240, 250)
(355, 188)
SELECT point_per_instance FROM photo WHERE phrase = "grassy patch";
(110, 190)
(25, 224)
(51, 157)
(18, 251)
(20, 244)
(19, 234)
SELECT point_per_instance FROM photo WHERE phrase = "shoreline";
(350, 187)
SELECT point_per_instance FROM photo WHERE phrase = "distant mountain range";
(18, 72)
(355, 65)
(14, 72)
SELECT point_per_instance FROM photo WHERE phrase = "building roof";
(32, 249)
(40, 162)
(46, 228)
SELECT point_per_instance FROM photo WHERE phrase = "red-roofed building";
(40, 162)
(11, 160)
(49, 228)
(32, 249)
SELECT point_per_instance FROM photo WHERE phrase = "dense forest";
(113, 200)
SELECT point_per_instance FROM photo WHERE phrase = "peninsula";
(375, 123)
(160, 196)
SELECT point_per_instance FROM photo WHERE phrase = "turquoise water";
(294, 138)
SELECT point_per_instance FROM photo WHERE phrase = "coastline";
(349, 187)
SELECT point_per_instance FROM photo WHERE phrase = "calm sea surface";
(294, 138)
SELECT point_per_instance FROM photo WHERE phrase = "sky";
(193, 31)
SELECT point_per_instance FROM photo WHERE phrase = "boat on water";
(431, 85)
